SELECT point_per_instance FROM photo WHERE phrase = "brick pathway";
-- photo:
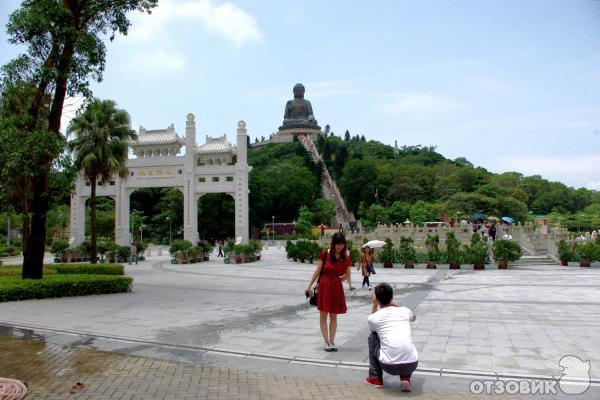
(50, 370)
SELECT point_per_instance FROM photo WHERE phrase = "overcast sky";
(509, 84)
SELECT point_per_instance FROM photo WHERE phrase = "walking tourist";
(493, 231)
(366, 266)
(332, 269)
(220, 244)
(390, 344)
(133, 254)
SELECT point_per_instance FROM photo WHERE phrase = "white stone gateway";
(214, 167)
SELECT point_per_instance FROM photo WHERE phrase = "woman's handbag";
(313, 293)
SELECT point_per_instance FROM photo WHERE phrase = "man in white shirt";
(390, 344)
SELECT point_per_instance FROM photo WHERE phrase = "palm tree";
(100, 147)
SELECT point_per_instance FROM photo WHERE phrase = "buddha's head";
(298, 91)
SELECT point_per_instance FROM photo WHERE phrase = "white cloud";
(419, 104)
(593, 185)
(157, 60)
(227, 19)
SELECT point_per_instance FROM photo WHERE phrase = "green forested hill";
(381, 183)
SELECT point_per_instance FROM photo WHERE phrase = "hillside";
(389, 185)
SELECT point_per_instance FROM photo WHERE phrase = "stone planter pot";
(502, 264)
(205, 258)
(564, 263)
(258, 257)
(388, 264)
(478, 266)
(226, 261)
(454, 266)
(56, 260)
(585, 263)
(431, 265)
(238, 260)
(409, 265)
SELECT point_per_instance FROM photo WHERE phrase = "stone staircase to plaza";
(329, 188)
(534, 260)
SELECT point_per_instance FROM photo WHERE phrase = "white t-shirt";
(392, 325)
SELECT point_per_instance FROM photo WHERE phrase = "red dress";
(330, 296)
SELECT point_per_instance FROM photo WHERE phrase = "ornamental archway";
(214, 167)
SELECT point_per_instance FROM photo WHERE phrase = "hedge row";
(13, 289)
(68, 269)
(93, 269)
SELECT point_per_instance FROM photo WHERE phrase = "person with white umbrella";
(366, 265)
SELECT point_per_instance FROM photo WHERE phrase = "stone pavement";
(519, 322)
(51, 370)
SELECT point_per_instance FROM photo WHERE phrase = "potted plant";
(354, 255)
(59, 248)
(206, 248)
(589, 253)
(476, 252)
(102, 249)
(408, 254)
(288, 247)
(141, 250)
(237, 253)
(387, 254)
(180, 250)
(565, 254)
(453, 251)
(506, 251)
(433, 250)
(123, 253)
(257, 248)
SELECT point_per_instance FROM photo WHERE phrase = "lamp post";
(141, 234)
(170, 237)
(273, 228)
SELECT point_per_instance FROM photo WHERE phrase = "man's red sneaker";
(374, 382)
(405, 385)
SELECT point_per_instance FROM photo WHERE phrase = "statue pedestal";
(287, 134)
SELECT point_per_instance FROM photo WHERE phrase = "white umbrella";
(374, 244)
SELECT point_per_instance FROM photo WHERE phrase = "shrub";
(13, 289)
(407, 252)
(476, 251)
(123, 252)
(453, 250)
(180, 246)
(507, 250)
(565, 252)
(589, 251)
(387, 254)
(59, 247)
(433, 247)
(87, 269)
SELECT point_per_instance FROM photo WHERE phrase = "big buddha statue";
(298, 112)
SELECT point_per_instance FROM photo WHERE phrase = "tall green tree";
(64, 42)
(102, 136)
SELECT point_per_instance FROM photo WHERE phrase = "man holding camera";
(390, 344)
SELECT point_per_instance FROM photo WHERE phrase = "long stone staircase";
(329, 189)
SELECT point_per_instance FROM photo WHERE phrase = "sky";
(512, 85)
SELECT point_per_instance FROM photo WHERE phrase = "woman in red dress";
(332, 269)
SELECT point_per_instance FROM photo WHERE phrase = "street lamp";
(170, 237)
(141, 237)
(273, 228)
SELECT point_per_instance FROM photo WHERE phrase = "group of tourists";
(390, 344)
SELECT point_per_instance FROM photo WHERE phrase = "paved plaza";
(253, 318)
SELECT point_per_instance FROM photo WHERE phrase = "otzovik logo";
(575, 378)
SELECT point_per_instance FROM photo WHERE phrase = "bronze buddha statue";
(298, 112)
